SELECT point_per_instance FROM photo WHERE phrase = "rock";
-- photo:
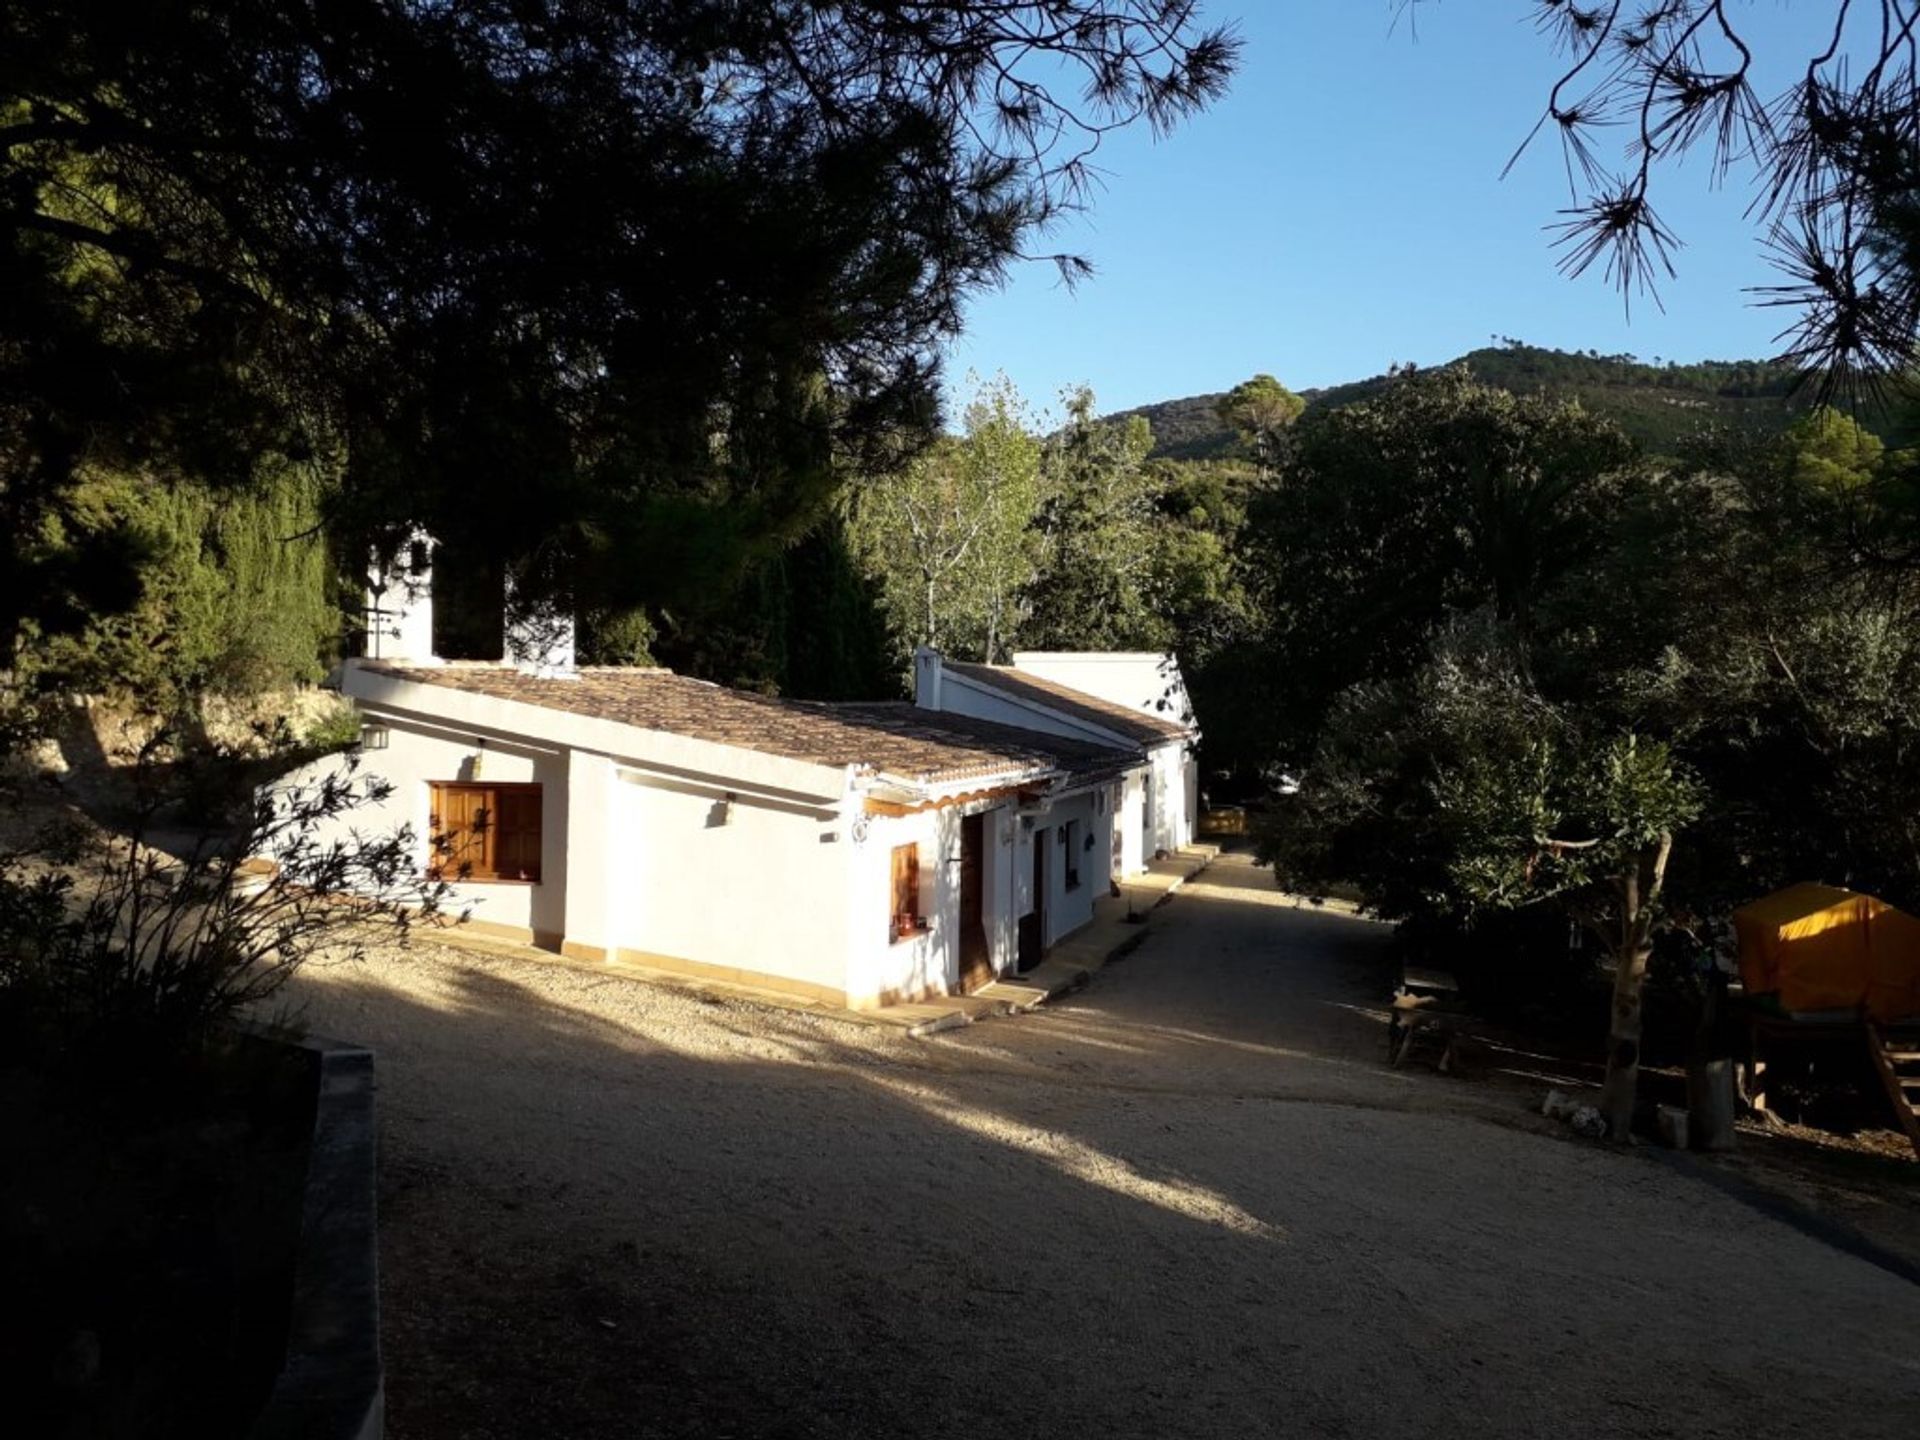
(1670, 1124)
(1588, 1122)
(1557, 1106)
(78, 1366)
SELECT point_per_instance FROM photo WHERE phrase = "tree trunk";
(1623, 1039)
(1639, 896)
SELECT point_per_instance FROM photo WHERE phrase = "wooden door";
(976, 961)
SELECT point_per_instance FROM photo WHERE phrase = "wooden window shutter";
(516, 834)
(485, 832)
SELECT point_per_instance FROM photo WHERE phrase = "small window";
(906, 920)
(485, 832)
(1070, 842)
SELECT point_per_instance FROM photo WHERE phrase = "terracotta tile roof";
(895, 739)
(1080, 758)
(1136, 725)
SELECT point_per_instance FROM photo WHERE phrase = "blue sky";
(1342, 209)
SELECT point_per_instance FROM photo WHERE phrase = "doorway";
(1033, 924)
(976, 961)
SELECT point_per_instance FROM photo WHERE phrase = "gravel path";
(1191, 1202)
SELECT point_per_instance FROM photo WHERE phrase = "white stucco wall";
(646, 854)
(1138, 679)
(1134, 853)
(748, 884)
(1066, 910)
(1173, 779)
(412, 759)
(960, 696)
(879, 965)
(1166, 821)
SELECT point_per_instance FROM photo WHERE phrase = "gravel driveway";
(1190, 1202)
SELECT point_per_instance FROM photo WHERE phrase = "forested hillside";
(1657, 404)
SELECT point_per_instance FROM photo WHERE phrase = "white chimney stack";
(927, 671)
(400, 603)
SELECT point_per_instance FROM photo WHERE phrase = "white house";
(858, 854)
(1129, 699)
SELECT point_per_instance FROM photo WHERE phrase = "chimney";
(927, 671)
(400, 603)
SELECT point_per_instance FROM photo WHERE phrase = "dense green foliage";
(616, 296)
(1003, 537)
(949, 538)
(234, 592)
(1472, 599)
(1522, 679)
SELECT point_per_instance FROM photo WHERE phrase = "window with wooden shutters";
(906, 920)
(485, 832)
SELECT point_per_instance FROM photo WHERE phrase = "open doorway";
(976, 960)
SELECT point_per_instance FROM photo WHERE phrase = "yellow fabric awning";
(1817, 947)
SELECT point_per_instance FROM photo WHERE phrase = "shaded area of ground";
(1191, 1202)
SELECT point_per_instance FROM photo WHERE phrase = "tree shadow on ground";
(609, 1210)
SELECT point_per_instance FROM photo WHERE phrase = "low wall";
(332, 1387)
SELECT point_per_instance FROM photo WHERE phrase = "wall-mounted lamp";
(721, 812)
(374, 736)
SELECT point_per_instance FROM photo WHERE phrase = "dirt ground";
(1190, 1201)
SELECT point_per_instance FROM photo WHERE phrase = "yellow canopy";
(1816, 947)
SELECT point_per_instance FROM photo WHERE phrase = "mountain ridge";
(1659, 405)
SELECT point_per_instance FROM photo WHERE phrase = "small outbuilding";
(1132, 700)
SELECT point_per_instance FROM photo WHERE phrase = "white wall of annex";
(1068, 909)
(1174, 779)
(958, 697)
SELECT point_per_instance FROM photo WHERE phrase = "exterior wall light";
(374, 736)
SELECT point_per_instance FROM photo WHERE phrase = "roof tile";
(892, 738)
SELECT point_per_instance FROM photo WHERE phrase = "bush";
(121, 945)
